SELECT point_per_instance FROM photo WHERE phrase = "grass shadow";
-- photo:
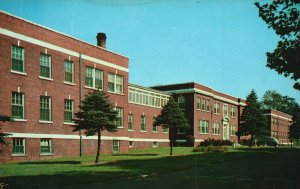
(135, 154)
(49, 162)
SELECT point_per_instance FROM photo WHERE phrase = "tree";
(253, 120)
(171, 117)
(4, 118)
(285, 104)
(283, 17)
(96, 115)
(294, 129)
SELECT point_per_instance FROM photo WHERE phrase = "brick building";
(211, 114)
(45, 74)
(278, 123)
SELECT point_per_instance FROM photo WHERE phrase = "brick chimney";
(101, 40)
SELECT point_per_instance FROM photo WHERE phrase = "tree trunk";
(171, 149)
(98, 146)
(172, 137)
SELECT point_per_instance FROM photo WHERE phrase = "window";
(154, 128)
(18, 105)
(45, 108)
(198, 103)
(130, 144)
(225, 110)
(154, 144)
(203, 126)
(130, 121)
(181, 102)
(143, 123)
(165, 130)
(18, 146)
(232, 130)
(180, 131)
(69, 71)
(217, 108)
(115, 83)
(69, 109)
(46, 147)
(116, 146)
(216, 128)
(119, 117)
(45, 66)
(94, 78)
(17, 56)
(208, 105)
(203, 104)
(232, 112)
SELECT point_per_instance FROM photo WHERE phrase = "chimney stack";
(101, 40)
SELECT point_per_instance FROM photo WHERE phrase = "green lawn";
(153, 168)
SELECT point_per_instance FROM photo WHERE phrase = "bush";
(213, 142)
(220, 149)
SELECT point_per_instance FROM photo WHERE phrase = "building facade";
(278, 125)
(45, 74)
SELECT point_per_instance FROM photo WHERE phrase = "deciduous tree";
(4, 118)
(284, 17)
(96, 115)
(171, 117)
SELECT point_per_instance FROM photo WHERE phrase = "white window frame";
(17, 140)
(23, 106)
(22, 58)
(50, 66)
(115, 77)
(94, 70)
(43, 141)
(216, 127)
(115, 144)
(217, 108)
(143, 122)
(225, 110)
(198, 103)
(120, 112)
(233, 112)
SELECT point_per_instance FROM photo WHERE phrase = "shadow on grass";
(49, 162)
(135, 154)
(212, 169)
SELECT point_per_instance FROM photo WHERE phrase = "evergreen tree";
(294, 129)
(96, 115)
(171, 117)
(4, 118)
(252, 119)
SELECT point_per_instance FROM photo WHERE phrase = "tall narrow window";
(208, 105)
(45, 66)
(115, 83)
(181, 102)
(198, 103)
(98, 79)
(89, 77)
(119, 117)
(232, 130)
(116, 146)
(154, 127)
(203, 104)
(165, 129)
(217, 108)
(45, 108)
(216, 128)
(17, 56)
(143, 123)
(69, 71)
(18, 146)
(232, 112)
(46, 146)
(18, 105)
(225, 110)
(203, 126)
(69, 111)
(130, 121)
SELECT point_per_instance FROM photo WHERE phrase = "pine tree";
(253, 121)
(4, 118)
(96, 115)
(171, 117)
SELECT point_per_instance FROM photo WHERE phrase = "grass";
(238, 168)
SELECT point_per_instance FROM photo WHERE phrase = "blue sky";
(217, 43)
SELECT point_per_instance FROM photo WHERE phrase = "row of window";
(203, 128)
(280, 135)
(93, 76)
(18, 112)
(147, 98)
(46, 146)
(277, 121)
(204, 105)
(18, 108)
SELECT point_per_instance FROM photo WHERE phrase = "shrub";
(221, 149)
(213, 142)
